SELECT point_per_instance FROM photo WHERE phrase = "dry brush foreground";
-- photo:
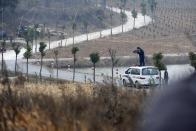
(69, 107)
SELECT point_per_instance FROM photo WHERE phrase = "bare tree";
(73, 29)
(85, 23)
(56, 56)
(101, 21)
(111, 20)
(114, 62)
(16, 49)
(61, 38)
(2, 50)
(144, 11)
(134, 15)
(123, 17)
(49, 37)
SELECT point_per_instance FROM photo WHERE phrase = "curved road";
(9, 56)
(128, 26)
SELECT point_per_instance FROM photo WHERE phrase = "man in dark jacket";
(175, 109)
(141, 54)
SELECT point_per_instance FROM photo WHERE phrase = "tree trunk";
(49, 42)
(87, 36)
(112, 76)
(87, 33)
(16, 65)
(57, 70)
(36, 45)
(144, 20)
(27, 68)
(2, 62)
(94, 73)
(134, 23)
(74, 68)
(40, 73)
(122, 27)
(73, 38)
(111, 25)
(160, 81)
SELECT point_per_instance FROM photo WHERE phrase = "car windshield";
(150, 71)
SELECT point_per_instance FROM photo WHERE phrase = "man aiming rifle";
(141, 54)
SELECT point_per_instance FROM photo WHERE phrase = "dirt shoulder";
(125, 46)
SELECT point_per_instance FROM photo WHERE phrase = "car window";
(135, 71)
(129, 71)
(150, 71)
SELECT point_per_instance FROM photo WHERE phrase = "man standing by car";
(141, 54)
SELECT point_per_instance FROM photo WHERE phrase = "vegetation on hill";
(44, 107)
(167, 34)
(58, 15)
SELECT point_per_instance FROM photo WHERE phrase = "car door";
(128, 76)
(135, 73)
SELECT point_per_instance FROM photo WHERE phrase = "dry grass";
(69, 107)
(167, 45)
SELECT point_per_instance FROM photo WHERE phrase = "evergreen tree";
(74, 51)
(94, 57)
(42, 48)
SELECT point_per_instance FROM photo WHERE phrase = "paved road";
(105, 58)
(9, 56)
(128, 26)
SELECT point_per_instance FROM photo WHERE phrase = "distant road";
(128, 26)
(9, 56)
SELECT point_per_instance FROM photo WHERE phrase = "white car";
(144, 76)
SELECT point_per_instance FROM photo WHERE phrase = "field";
(172, 32)
(71, 107)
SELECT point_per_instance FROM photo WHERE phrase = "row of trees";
(95, 58)
(8, 3)
(144, 6)
(35, 34)
(171, 20)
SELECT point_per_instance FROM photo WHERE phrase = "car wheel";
(124, 83)
(137, 85)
